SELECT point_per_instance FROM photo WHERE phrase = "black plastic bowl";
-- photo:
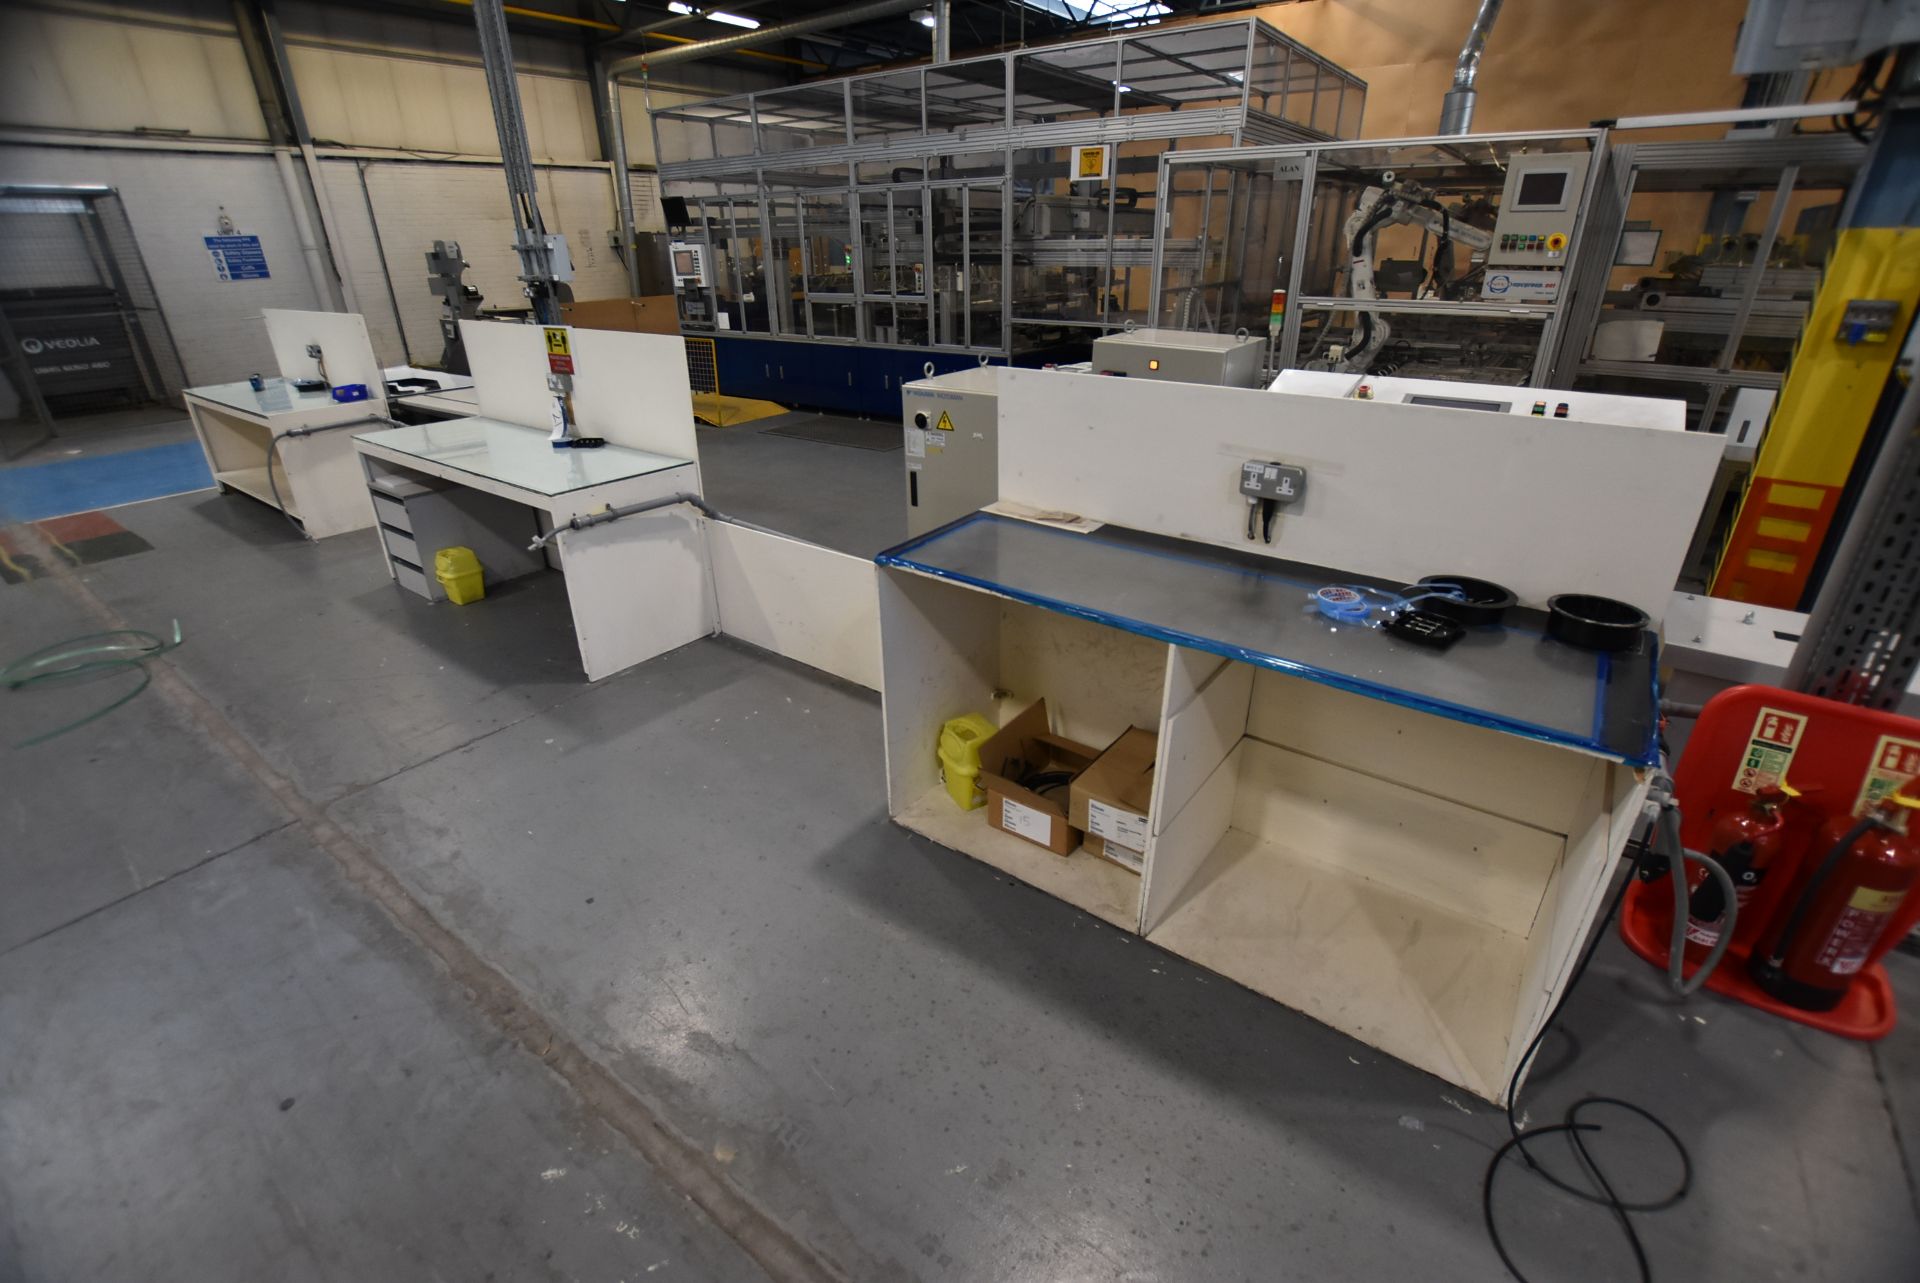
(1596, 623)
(1486, 601)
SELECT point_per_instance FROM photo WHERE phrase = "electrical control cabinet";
(1181, 357)
(952, 428)
(1538, 207)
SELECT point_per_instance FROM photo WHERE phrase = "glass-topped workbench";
(289, 449)
(1509, 676)
(515, 456)
(1406, 844)
(637, 586)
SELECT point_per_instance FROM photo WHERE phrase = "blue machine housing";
(846, 378)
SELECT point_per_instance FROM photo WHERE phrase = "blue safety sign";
(237, 258)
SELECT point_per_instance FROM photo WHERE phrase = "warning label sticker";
(1770, 748)
(559, 349)
(946, 422)
(1894, 762)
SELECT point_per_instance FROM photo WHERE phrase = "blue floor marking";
(104, 481)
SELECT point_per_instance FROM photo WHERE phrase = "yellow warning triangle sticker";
(946, 422)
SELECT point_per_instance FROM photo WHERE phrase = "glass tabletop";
(1510, 676)
(517, 456)
(277, 397)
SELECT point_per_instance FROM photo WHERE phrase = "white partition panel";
(811, 604)
(343, 343)
(629, 388)
(1541, 506)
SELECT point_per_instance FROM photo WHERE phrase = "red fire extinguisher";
(1826, 929)
(1746, 844)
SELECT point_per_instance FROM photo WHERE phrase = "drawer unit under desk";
(420, 516)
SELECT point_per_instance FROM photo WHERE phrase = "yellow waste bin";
(960, 741)
(458, 571)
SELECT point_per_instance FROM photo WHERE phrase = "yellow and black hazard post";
(1848, 353)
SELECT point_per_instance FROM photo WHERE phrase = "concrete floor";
(107, 433)
(909, 1064)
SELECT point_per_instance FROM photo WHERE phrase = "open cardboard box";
(1109, 800)
(652, 314)
(1021, 747)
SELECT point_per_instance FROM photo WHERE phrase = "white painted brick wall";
(173, 200)
(419, 203)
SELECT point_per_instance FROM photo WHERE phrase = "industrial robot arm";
(1402, 202)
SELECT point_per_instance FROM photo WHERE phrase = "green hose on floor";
(89, 655)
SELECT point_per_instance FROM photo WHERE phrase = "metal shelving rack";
(934, 207)
(1726, 323)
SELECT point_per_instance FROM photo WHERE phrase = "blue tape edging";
(896, 558)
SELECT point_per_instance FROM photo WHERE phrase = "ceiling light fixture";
(925, 17)
(713, 15)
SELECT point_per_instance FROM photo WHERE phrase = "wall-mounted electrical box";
(952, 428)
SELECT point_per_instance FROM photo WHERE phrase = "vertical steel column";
(1289, 354)
(607, 95)
(516, 159)
(1862, 640)
(287, 130)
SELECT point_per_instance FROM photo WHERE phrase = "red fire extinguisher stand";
(1842, 759)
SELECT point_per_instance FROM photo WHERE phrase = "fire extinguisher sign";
(1770, 748)
(1895, 761)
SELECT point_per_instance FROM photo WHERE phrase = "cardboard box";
(1023, 746)
(1109, 800)
(655, 314)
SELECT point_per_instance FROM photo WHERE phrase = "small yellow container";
(458, 571)
(960, 741)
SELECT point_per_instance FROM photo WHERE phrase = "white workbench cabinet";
(1411, 878)
(317, 477)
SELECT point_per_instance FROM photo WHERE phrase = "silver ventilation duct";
(1456, 109)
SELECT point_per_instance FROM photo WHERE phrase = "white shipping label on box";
(1135, 860)
(1034, 826)
(1118, 827)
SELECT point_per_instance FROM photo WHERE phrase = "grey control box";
(1180, 356)
(951, 423)
(1280, 482)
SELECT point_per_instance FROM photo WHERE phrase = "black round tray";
(1486, 601)
(1597, 623)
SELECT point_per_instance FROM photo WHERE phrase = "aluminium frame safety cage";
(1235, 225)
(1740, 231)
(1708, 256)
(938, 206)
